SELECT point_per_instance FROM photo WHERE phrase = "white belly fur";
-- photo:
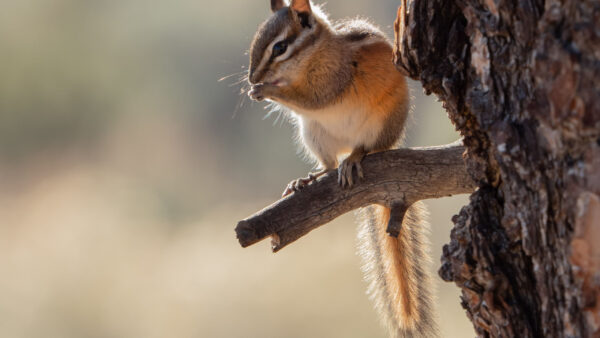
(352, 126)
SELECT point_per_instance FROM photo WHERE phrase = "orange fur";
(396, 269)
(347, 97)
(399, 266)
(382, 87)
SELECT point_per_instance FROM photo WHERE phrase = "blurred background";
(125, 165)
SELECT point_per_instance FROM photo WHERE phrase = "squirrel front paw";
(267, 90)
(256, 92)
(297, 184)
(300, 183)
(345, 170)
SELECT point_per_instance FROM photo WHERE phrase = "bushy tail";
(397, 271)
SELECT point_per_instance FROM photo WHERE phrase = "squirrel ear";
(276, 5)
(301, 6)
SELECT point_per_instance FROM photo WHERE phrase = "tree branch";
(395, 178)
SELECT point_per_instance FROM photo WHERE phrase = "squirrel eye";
(279, 48)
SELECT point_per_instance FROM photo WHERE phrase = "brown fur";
(383, 89)
(396, 270)
(349, 98)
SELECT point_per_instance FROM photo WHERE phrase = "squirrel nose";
(252, 77)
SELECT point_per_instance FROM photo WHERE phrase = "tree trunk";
(519, 80)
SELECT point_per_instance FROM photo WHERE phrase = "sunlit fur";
(396, 270)
(343, 93)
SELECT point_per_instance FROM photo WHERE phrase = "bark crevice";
(519, 81)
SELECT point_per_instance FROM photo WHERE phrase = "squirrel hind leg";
(296, 185)
(301, 182)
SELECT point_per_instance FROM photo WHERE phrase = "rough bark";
(519, 80)
(396, 178)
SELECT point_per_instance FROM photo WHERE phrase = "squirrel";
(346, 97)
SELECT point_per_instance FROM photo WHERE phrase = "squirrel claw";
(297, 184)
(300, 183)
(345, 172)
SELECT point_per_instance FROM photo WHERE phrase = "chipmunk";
(346, 97)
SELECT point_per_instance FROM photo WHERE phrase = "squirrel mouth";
(277, 83)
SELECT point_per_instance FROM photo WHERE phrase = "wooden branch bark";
(394, 178)
(519, 80)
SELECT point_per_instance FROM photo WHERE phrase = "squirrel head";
(283, 42)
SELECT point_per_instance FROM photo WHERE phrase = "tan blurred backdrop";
(125, 165)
